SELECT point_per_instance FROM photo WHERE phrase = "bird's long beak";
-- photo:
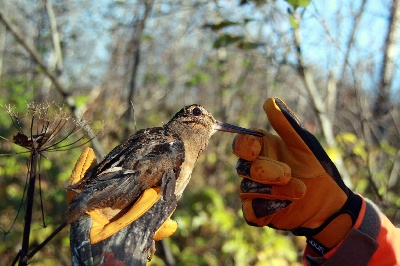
(235, 129)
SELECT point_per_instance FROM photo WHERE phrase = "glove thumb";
(295, 136)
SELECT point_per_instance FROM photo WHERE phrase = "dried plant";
(44, 128)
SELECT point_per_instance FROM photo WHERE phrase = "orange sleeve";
(373, 240)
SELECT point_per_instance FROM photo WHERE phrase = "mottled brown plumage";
(142, 160)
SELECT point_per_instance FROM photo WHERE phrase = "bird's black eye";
(196, 111)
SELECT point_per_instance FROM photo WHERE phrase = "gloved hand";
(103, 223)
(290, 183)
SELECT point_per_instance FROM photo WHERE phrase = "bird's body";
(142, 160)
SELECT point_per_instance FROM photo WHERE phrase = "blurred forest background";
(126, 65)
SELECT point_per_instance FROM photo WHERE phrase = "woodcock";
(142, 160)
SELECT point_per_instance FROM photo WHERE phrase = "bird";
(141, 161)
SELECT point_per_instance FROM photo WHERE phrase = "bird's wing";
(103, 192)
(134, 147)
(130, 168)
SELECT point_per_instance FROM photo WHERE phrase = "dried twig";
(47, 131)
(57, 84)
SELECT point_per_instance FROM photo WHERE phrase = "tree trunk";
(138, 29)
(56, 60)
(320, 107)
(3, 32)
(382, 101)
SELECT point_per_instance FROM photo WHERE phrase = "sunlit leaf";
(81, 100)
(333, 152)
(299, 3)
(360, 151)
(347, 138)
(293, 22)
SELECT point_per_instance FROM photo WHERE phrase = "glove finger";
(293, 133)
(293, 190)
(166, 230)
(264, 170)
(283, 120)
(102, 228)
(259, 211)
(86, 161)
(247, 147)
(261, 201)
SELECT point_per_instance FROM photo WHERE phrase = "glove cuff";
(335, 228)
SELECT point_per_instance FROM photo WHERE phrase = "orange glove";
(102, 226)
(290, 183)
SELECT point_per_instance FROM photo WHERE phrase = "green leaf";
(81, 100)
(226, 39)
(299, 3)
(198, 78)
(294, 23)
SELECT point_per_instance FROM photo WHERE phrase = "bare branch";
(58, 86)
(388, 64)
(321, 109)
(136, 44)
(54, 34)
(395, 173)
(2, 45)
(356, 22)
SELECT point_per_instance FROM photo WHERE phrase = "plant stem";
(29, 207)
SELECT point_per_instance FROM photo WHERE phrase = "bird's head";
(196, 122)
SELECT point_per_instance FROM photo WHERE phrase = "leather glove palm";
(290, 183)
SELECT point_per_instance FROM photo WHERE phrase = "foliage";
(372, 170)
(299, 3)
(210, 233)
(35, 140)
(227, 56)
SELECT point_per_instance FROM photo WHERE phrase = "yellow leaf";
(347, 137)
(334, 153)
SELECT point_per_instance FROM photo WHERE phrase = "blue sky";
(324, 42)
(325, 31)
